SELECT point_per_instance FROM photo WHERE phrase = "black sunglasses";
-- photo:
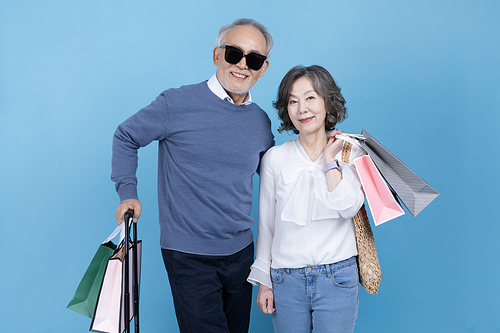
(234, 55)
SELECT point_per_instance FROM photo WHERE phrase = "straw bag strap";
(368, 265)
(346, 152)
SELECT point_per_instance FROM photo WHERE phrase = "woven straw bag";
(368, 265)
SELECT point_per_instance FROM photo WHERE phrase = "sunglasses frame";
(250, 63)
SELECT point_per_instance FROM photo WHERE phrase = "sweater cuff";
(127, 192)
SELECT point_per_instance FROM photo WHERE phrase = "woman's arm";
(342, 191)
(260, 270)
(332, 148)
(265, 299)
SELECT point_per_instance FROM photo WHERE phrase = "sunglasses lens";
(255, 61)
(233, 56)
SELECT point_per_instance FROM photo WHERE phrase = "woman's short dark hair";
(323, 84)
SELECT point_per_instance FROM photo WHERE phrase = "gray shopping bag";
(414, 192)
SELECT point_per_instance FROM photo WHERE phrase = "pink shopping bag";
(109, 316)
(382, 202)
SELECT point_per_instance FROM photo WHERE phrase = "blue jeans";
(321, 297)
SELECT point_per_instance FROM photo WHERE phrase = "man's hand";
(133, 204)
(265, 299)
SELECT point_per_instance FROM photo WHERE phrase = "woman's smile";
(306, 120)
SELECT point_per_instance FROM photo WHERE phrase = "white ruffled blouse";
(300, 222)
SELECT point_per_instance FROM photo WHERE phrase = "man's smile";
(239, 76)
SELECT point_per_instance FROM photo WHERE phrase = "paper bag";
(382, 202)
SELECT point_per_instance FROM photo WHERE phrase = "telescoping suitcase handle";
(128, 220)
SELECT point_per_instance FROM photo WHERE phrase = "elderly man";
(211, 138)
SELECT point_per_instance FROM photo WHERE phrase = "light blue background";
(421, 76)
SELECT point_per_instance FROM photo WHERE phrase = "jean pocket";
(346, 277)
(278, 275)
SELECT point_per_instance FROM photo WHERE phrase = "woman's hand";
(265, 299)
(332, 148)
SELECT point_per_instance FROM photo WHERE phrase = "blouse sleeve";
(261, 268)
(348, 196)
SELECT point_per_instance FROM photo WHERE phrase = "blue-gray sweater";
(207, 153)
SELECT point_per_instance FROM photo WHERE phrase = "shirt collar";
(215, 86)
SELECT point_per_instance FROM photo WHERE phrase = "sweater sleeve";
(149, 124)
(261, 268)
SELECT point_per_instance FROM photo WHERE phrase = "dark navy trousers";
(210, 293)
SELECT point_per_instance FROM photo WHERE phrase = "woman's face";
(306, 108)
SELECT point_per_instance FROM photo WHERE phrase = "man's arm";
(138, 131)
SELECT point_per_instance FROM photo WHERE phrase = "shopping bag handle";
(349, 138)
(119, 229)
(128, 215)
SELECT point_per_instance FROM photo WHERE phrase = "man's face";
(238, 79)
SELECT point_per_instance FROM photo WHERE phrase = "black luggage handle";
(127, 216)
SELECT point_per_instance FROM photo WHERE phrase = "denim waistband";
(322, 269)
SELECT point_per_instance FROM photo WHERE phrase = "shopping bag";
(381, 200)
(414, 192)
(109, 316)
(367, 258)
(85, 298)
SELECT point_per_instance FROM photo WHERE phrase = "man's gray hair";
(244, 21)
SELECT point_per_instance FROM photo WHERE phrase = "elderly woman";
(306, 249)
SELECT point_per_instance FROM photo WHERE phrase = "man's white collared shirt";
(215, 86)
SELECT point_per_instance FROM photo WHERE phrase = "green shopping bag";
(85, 298)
